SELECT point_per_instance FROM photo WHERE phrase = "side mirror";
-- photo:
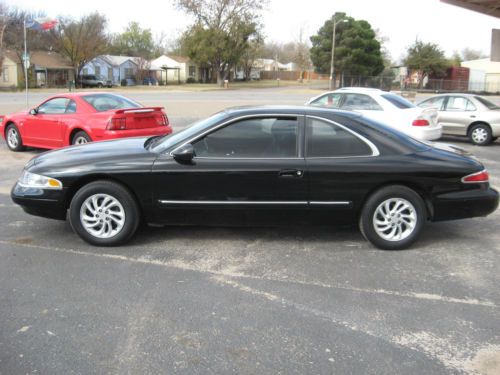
(185, 154)
(33, 111)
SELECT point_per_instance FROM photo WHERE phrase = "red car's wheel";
(80, 138)
(13, 138)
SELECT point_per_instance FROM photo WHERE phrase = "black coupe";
(259, 165)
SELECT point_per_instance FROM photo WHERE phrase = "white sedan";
(384, 107)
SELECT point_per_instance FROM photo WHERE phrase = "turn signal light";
(420, 122)
(477, 177)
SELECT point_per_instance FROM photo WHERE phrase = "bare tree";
(81, 40)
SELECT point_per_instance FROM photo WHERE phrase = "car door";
(457, 114)
(338, 162)
(44, 127)
(250, 170)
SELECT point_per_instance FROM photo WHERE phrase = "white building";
(484, 75)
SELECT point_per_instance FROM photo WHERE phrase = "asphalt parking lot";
(193, 300)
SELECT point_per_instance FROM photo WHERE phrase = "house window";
(129, 73)
(5, 74)
(110, 73)
(98, 71)
(192, 71)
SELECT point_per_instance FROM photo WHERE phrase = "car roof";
(287, 109)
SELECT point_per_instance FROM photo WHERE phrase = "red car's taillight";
(117, 123)
(163, 120)
(477, 177)
(420, 122)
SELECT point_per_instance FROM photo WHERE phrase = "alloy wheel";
(13, 138)
(102, 216)
(395, 219)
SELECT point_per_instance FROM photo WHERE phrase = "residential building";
(115, 68)
(484, 75)
(175, 69)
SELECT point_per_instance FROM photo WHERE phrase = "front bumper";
(465, 204)
(113, 134)
(47, 203)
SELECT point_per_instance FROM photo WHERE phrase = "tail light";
(420, 122)
(477, 177)
(163, 120)
(117, 123)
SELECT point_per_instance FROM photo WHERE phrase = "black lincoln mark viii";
(259, 165)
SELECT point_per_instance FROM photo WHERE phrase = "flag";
(41, 24)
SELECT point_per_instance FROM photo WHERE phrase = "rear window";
(106, 102)
(486, 103)
(398, 101)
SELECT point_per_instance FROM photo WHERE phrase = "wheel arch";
(74, 131)
(79, 183)
(417, 188)
(479, 122)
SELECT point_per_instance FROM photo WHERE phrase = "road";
(298, 300)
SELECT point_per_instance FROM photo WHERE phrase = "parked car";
(467, 115)
(385, 107)
(76, 118)
(90, 80)
(150, 81)
(259, 165)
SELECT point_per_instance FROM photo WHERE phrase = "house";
(114, 68)
(47, 69)
(484, 75)
(8, 74)
(176, 69)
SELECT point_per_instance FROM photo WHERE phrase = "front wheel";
(393, 217)
(13, 138)
(104, 213)
(480, 135)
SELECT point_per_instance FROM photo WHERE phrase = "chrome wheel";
(479, 135)
(102, 216)
(395, 219)
(13, 137)
(81, 140)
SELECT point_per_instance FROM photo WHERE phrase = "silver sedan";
(467, 115)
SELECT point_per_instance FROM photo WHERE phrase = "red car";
(77, 118)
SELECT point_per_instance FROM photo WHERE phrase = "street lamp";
(332, 71)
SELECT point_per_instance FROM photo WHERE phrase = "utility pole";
(332, 69)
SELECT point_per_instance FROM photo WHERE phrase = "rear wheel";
(104, 213)
(393, 217)
(13, 138)
(99, 85)
(480, 134)
(80, 138)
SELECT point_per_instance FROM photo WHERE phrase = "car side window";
(266, 137)
(437, 102)
(71, 108)
(54, 106)
(328, 100)
(354, 102)
(325, 139)
(459, 103)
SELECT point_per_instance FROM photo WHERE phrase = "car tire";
(480, 135)
(393, 217)
(104, 213)
(99, 85)
(80, 138)
(13, 138)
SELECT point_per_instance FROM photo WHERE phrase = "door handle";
(291, 173)
(472, 116)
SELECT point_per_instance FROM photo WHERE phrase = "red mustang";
(77, 118)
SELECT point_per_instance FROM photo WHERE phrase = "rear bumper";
(465, 204)
(113, 134)
(427, 133)
(41, 202)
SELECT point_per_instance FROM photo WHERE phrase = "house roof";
(115, 60)
(49, 60)
(179, 59)
(11, 55)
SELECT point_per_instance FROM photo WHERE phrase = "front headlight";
(32, 180)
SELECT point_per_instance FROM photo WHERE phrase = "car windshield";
(163, 143)
(106, 102)
(398, 101)
(486, 103)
